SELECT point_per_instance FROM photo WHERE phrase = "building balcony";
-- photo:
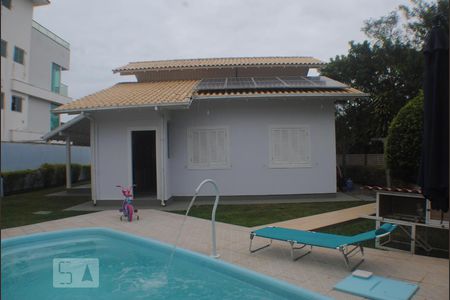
(50, 35)
(31, 90)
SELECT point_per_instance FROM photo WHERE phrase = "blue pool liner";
(377, 287)
(276, 286)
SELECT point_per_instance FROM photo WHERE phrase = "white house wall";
(113, 149)
(248, 123)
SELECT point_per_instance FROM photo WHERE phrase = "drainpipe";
(93, 146)
(163, 157)
(68, 164)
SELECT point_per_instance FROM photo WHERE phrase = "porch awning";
(78, 129)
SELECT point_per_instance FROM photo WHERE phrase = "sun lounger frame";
(347, 250)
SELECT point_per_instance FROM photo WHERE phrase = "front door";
(144, 162)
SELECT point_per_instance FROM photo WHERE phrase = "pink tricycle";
(127, 210)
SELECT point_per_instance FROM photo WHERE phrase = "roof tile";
(135, 94)
(217, 62)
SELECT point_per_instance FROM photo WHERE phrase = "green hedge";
(404, 141)
(366, 175)
(46, 176)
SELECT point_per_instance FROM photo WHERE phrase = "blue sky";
(106, 34)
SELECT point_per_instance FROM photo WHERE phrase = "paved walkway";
(329, 218)
(318, 271)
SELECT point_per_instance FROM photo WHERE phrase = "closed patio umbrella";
(434, 168)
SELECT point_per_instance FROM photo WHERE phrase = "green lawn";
(259, 214)
(17, 210)
(351, 228)
(435, 237)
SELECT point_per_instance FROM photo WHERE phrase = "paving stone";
(318, 271)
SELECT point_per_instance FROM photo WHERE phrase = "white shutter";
(194, 145)
(208, 148)
(222, 147)
(304, 147)
(289, 146)
(203, 147)
(212, 146)
(276, 145)
(295, 144)
(284, 145)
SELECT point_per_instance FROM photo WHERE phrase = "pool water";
(130, 268)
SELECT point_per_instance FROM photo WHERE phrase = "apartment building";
(33, 60)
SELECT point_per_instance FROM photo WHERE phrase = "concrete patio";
(318, 271)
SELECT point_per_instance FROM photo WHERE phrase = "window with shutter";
(289, 147)
(208, 148)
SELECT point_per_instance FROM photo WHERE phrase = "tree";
(388, 66)
(419, 19)
(404, 141)
(390, 73)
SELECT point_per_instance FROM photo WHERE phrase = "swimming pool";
(131, 267)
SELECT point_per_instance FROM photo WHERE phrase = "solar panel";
(268, 82)
(212, 84)
(297, 82)
(282, 82)
(240, 83)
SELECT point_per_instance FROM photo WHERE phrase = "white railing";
(64, 90)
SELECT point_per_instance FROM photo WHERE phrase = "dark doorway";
(144, 162)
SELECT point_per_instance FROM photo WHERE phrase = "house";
(32, 62)
(257, 126)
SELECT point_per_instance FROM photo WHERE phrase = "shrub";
(75, 172)
(404, 141)
(85, 173)
(60, 175)
(366, 175)
(47, 172)
(48, 175)
(13, 181)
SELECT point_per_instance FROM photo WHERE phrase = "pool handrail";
(213, 214)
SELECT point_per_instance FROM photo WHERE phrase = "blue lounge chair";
(318, 239)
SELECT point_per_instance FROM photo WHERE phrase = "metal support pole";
(388, 177)
(413, 239)
(377, 222)
(68, 165)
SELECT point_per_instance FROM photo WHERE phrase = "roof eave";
(125, 71)
(326, 95)
(186, 103)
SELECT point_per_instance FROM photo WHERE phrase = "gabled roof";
(200, 63)
(135, 94)
(165, 91)
(181, 93)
